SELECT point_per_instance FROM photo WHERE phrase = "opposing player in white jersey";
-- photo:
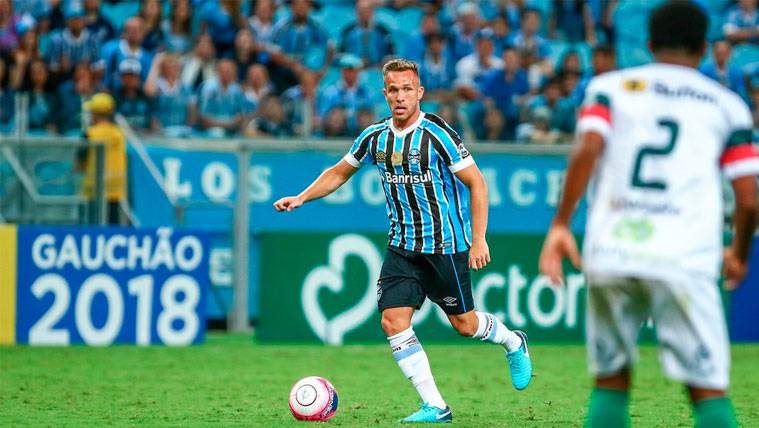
(654, 141)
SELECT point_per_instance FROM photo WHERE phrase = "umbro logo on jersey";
(450, 301)
(380, 156)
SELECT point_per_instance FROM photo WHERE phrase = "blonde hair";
(400, 64)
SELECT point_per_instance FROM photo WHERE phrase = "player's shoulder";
(377, 126)
(431, 120)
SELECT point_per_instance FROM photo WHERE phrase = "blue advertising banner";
(100, 286)
(744, 316)
(523, 189)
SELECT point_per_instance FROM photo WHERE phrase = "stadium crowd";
(494, 69)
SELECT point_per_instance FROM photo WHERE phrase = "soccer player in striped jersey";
(437, 203)
(654, 142)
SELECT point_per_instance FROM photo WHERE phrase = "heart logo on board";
(332, 331)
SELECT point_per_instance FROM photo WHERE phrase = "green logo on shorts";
(630, 229)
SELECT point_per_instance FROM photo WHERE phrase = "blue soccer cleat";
(430, 414)
(520, 364)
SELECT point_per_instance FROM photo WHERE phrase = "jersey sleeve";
(595, 113)
(451, 148)
(739, 157)
(360, 153)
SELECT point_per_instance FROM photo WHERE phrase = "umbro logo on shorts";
(450, 301)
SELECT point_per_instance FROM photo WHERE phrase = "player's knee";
(393, 326)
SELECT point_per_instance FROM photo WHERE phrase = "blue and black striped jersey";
(428, 206)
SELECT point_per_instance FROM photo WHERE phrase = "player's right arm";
(335, 176)
(594, 128)
(329, 181)
(560, 242)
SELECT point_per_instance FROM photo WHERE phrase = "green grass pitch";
(231, 381)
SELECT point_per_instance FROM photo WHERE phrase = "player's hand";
(559, 244)
(479, 254)
(733, 269)
(288, 203)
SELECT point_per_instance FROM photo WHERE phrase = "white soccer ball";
(313, 398)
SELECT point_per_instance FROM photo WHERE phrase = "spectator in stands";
(336, 124)
(299, 103)
(506, 88)
(603, 60)
(502, 34)
(247, 53)
(177, 28)
(366, 117)
(74, 45)
(437, 71)
(104, 131)
(569, 63)
(129, 46)
(602, 13)
(261, 21)
(720, 69)
(415, 46)
(462, 36)
(300, 40)
(348, 93)
(256, 86)
(538, 130)
(570, 81)
(562, 108)
(200, 65)
(7, 97)
(27, 51)
(71, 96)
(8, 23)
(173, 101)
(742, 23)
(221, 20)
(151, 12)
(528, 39)
(97, 24)
(450, 114)
(572, 21)
(494, 124)
(41, 98)
(131, 101)
(271, 120)
(471, 68)
(365, 38)
(221, 103)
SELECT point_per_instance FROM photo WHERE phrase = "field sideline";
(231, 381)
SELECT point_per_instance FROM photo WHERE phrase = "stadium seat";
(331, 76)
(334, 18)
(117, 13)
(585, 52)
(630, 54)
(715, 27)
(390, 19)
(744, 54)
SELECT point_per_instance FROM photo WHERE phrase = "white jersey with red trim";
(655, 200)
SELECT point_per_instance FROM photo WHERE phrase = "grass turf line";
(231, 381)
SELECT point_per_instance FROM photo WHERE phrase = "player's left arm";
(479, 254)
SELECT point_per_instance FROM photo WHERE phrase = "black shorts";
(408, 277)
